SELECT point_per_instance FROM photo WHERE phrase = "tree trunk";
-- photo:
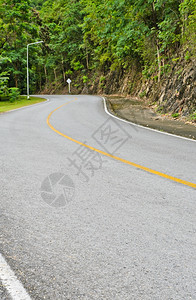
(87, 61)
(16, 81)
(40, 81)
(45, 71)
(64, 77)
(184, 22)
(157, 41)
(55, 75)
(159, 62)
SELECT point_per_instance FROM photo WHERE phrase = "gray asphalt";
(120, 233)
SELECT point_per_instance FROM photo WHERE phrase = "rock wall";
(178, 94)
(175, 93)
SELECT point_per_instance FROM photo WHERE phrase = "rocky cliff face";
(175, 93)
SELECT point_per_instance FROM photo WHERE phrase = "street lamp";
(28, 66)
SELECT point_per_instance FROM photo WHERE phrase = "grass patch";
(193, 117)
(116, 106)
(175, 115)
(22, 101)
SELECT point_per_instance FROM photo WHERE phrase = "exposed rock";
(175, 93)
(85, 90)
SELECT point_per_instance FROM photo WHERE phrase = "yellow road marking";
(116, 157)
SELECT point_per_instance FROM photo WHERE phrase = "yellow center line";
(116, 157)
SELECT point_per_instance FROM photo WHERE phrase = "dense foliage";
(88, 37)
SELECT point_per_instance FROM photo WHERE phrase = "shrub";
(14, 94)
(84, 79)
(102, 81)
(193, 116)
(175, 115)
(102, 78)
(142, 94)
(3, 84)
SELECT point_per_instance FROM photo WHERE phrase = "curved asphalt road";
(109, 230)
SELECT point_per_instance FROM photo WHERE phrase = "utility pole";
(28, 66)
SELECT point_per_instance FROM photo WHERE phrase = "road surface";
(87, 207)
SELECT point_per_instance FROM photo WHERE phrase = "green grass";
(22, 101)
(175, 115)
(193, 117)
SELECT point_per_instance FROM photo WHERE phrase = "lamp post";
(28, 66)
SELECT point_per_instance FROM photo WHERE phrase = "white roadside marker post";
(69, 84)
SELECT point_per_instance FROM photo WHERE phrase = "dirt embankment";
(137, 111)
(176, 93)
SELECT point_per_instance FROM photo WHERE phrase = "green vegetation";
(14, 94)
(85, 79)
(193, 117)
(20, 102)
(142, 94)
(83, 38)
(175, 115)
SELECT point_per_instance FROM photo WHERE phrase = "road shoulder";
(136, 112)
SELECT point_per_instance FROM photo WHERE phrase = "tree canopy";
(91, 36)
